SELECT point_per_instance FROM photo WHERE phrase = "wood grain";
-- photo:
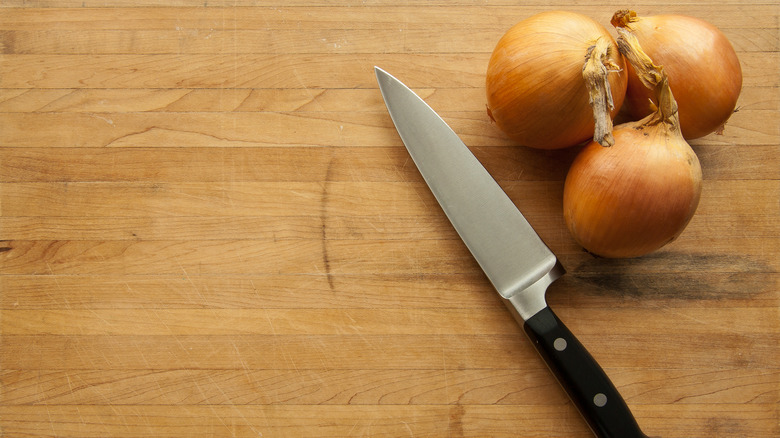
(209, 227)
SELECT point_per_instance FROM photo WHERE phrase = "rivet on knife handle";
(515, 260)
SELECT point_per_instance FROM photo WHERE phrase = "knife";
(514, 258)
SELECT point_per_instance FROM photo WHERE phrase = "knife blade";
(513, 256)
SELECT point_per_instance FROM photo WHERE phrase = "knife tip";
(381, 75)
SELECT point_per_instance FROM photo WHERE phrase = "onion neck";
(595, 72)
(653, 77)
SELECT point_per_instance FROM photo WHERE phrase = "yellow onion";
(636, 196)
(543, 75)
(703, 69)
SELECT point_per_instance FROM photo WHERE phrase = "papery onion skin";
(704, 71)
(535, 91)
(632, 198)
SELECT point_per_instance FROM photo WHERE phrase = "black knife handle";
(581, 376)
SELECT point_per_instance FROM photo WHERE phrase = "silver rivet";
(559, 344)
(600, 400)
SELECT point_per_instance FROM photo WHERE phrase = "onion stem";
(652, 76)
(595, 72)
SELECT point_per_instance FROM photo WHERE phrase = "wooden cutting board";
(210, 228)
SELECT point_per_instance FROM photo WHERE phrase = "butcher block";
(210, 227)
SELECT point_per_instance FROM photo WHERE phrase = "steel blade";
(519, 265)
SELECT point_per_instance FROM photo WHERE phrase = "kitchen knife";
(514, 258)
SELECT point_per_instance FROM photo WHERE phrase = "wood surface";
(211, 228)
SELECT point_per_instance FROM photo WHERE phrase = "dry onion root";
(706, 77)
(544, 74)
(638, 195)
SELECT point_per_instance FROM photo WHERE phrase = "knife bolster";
(530, 301)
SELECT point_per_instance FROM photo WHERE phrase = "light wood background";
(211, 228)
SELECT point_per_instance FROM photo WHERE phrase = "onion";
(543, 75)
(703, 69)
(638, 195)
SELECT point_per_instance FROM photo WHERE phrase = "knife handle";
(581, 376)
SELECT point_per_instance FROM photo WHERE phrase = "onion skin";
(632, 198)
(535, 90)
(703, 69)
